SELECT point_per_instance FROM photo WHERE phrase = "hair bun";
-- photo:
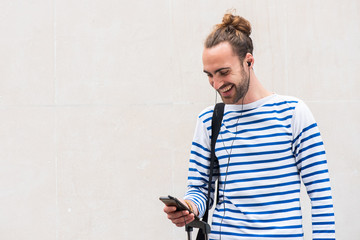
(238, 23)
(236, 31)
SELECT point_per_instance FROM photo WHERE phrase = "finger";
(185, 221)
(181, 221)
(177, 214)
(169, 209)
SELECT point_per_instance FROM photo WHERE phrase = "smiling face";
(226, 73)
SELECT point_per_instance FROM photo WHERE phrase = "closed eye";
(224, 73)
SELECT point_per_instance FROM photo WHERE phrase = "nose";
(216, 83)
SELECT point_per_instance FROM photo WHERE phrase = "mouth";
(226, 89)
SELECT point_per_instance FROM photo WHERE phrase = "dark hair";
(235, 30)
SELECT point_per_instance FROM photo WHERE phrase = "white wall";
(98, 102)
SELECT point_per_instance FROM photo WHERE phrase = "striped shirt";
(264, 149)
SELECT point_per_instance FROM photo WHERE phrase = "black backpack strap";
(215, 129)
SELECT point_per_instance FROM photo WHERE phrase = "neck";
(256, 90)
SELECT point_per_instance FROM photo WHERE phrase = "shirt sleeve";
(199, 165)
(309, 152)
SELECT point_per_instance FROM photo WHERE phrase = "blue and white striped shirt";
(273, 143)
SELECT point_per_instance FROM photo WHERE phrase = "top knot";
(236, 31)
(233, 23)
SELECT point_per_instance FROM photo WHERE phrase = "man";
(266, 145)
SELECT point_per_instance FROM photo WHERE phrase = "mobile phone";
(172, 201)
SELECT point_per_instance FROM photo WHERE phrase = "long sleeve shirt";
(264, 150)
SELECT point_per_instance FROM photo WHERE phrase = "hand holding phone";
(182, 215)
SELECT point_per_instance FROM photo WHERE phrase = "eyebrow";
(217, 70)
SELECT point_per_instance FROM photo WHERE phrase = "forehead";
(221, 55)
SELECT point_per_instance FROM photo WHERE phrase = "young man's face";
(226, 73)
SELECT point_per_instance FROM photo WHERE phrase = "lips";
(225, 90)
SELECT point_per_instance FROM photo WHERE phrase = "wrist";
(192, 206)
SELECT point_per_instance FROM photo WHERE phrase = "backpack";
(215, 129)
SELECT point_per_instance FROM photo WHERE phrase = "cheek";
(228, 79)
(236, 79)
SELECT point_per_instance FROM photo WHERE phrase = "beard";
(241, 90)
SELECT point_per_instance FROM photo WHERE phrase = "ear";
(249, 60)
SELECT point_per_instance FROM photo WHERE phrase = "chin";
(228, 100)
